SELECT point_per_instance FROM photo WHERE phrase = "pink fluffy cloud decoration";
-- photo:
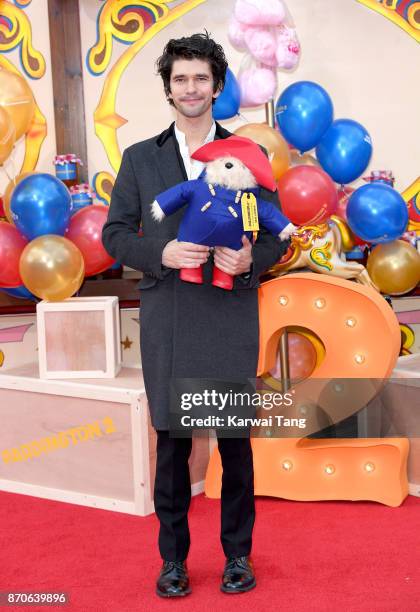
(257, 85)
(264, 31)
(237, 34)
(262, 45)
(260, 12)
(288, 48)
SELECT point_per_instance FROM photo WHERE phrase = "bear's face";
(231, 173)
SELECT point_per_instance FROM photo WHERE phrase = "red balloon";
(344, 194)
(12, 244)
(307, 194)
(359, 241)
(302, 358)
(85, 230)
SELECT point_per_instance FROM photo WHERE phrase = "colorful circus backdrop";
(363, 52)
(123, 99)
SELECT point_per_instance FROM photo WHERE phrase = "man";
(190, 330)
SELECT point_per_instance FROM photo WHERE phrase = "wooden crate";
(79, 338)
(402, 401)
(109, 459)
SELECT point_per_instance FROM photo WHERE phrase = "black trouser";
(172, 496)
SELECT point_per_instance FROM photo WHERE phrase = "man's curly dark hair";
(198, 46)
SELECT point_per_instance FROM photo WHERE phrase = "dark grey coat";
(187, 330)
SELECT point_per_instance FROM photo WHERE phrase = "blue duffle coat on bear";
(213, 214)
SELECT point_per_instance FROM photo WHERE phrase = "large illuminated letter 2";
(362, 339)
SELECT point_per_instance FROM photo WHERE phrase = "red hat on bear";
(244, 149)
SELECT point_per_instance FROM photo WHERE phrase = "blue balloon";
(20, 292)
(227, 103)
(377, 213)
(345, 150)
(304, 111)
(41, 204)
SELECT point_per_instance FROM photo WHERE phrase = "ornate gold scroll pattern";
(16, 31)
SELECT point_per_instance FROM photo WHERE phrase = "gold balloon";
(17, 98)
(394, 267)
(52, 267)
(7, 196)
(303, 159)
(7, 135)
(273, 141)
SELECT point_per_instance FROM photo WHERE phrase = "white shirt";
(193, 167)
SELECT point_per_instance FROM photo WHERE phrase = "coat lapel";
(221, 132)
(168, 159)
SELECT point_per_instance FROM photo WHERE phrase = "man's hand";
(184, 255)
(234, 262)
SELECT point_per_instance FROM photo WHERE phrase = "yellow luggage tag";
(250, 212)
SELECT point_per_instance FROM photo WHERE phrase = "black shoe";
(238, 575)
(173, 580)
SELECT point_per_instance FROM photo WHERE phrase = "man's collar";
(180, 136)
(170, 133)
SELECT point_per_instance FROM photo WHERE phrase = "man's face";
(191, 87)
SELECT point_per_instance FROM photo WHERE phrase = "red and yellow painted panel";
(405, 13)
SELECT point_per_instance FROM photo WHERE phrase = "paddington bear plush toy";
(224, 203)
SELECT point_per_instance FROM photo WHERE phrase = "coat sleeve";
(266, 251)
(120, 234)
(176, 197)
(271, 218)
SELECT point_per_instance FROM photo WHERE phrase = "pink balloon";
(12, 244)
(302, 358)
(85, 230)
